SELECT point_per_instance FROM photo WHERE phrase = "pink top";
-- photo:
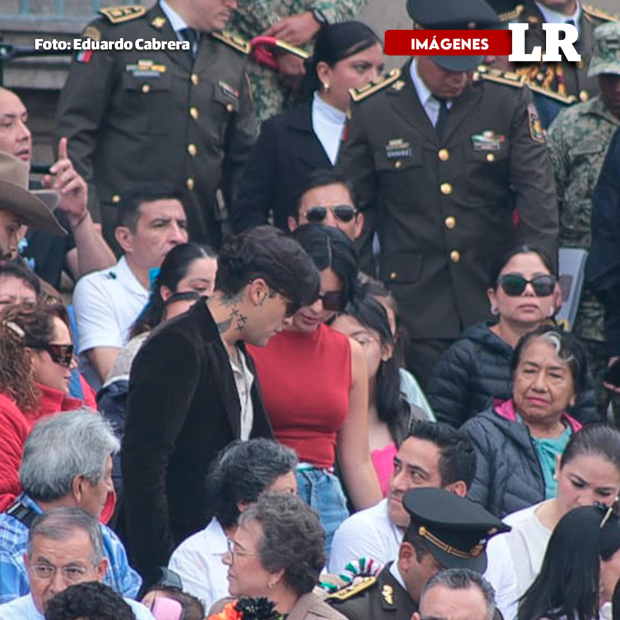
(383, 462)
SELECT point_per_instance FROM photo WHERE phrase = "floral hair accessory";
(248, 608)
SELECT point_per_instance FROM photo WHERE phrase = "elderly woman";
(242, 471)
(519, 440)
(277, 552)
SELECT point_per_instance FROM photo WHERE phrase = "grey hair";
(63, 446)
(293, 539)
(59, 524)
(463, 579)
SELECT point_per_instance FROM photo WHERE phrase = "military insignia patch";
(158, 22)
(84, 56)
(92, 33)
(397, 149)
(387, 592)
(120, 14)
(146, 69)
(536, 131)
(487, 141)
(398, 85)
(229, 90)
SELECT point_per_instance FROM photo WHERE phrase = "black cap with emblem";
(454, 15)
(455, 529)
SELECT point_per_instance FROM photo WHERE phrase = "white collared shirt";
(553, 17)
(328, 125)
(429, 103)
(244, 380)
(176, 22)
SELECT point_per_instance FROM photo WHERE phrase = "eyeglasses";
(344, 213)
(61, 354)
(233, 549)
(513, 284)
(332, 301)
(46, 572)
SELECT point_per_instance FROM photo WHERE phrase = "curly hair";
(293, 539)
(25, 326)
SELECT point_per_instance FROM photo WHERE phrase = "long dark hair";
(391, 407)
(333, 44)
(568, 582)
(174, 268)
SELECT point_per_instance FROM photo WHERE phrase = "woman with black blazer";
(297, 142)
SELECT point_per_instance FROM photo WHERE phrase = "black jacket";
(475, 370)
(183, 409)
(286, 152)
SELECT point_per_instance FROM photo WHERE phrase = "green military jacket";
(444, 209)
(136, 116)
(578, 142)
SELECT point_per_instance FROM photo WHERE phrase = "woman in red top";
(315, 387)
(36, 358)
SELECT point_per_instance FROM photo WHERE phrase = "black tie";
(440, 125)
(191, 36)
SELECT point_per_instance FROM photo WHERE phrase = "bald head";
(15, 137)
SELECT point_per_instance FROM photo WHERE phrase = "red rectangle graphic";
(448, 42)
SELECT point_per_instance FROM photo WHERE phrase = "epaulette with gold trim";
(508, 78)
(596, 12)
(121, 14)
(237, 43)
(510, 15)
(359, 94)
(359, 585)
(543, 79)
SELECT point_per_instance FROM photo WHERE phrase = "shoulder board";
(237, 43)
(596, 12)
(511, 15)
(551, 94)
(120, 14)
(508, 78)
(541, 79)
(350, 591)
(358, 94)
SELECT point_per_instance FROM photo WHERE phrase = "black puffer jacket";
(475, 370)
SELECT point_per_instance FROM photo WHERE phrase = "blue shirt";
(14, 577)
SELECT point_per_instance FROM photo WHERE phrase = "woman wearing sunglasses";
(518, 441)
(315, 387)
(36, 360)
(475, 370)
(293, 144)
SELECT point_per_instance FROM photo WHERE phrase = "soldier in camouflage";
(578, 140)
(295, 21)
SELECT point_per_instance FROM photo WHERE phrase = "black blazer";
(183, 409)
(286, 151)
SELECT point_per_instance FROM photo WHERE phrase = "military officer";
(454, 154)
(578, 141)
(558, 84)
(446, 531)
(181, 117)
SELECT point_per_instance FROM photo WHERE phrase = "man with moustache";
(182, 117)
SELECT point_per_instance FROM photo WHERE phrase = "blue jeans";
(322, 491)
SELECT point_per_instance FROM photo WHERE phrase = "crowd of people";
(314, 371)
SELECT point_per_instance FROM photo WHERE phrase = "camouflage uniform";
(253, 18)
(578, 140)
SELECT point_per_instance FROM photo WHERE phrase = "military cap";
(454, 15)
(606, 50)
(455, 529)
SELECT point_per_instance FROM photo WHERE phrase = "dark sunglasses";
(60, 353)
(514, 285)
(332, 301)
(344, 213)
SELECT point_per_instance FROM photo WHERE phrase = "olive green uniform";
(136, 116)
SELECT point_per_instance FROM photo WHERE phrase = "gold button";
(194, 79)
(190, 184)
(584, 95)
(446, 189)
(191, 149)
(450, 222)
(443, 154)
(146, 88)
(116, 199)
(490, 156)
(398, 164)
(230, 107)
(193, 112)
(455, 256)
(393, 275)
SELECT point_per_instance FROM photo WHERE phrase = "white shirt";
(23, 608)
(198, 561)
(429, 103)
(244, 380)
(106, 304)
(328, 125)
(553, 17)
(370, 534)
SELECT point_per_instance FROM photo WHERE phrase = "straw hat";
(34, 207)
